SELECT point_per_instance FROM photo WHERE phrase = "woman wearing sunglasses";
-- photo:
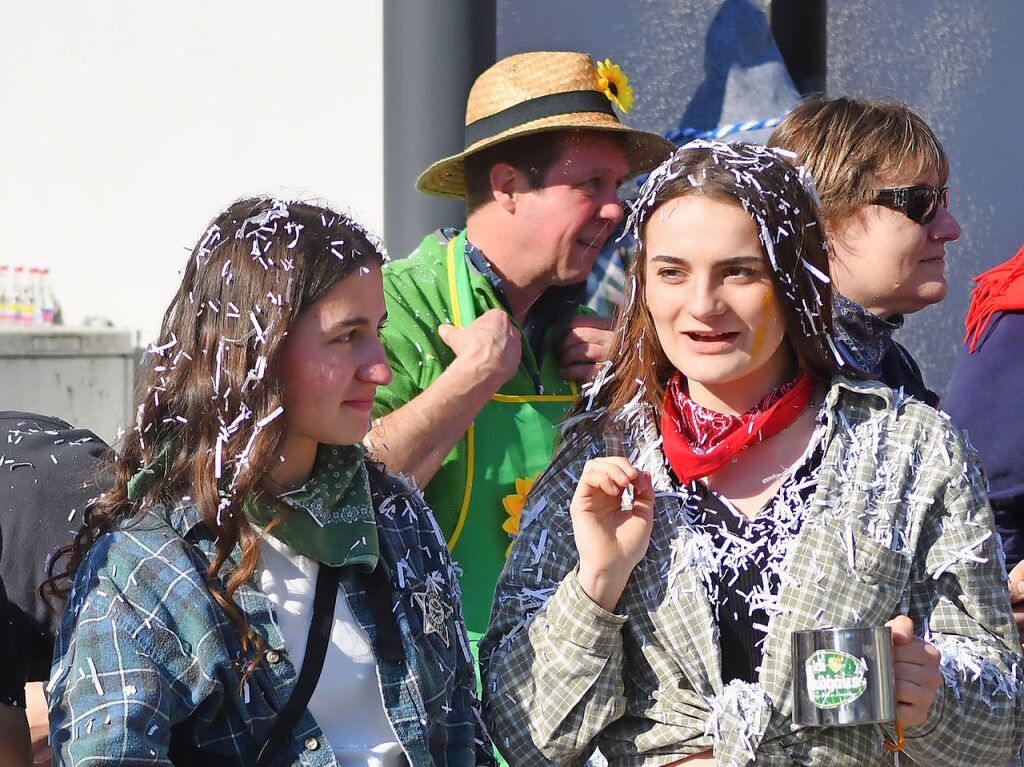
(881, 174)
(719, 486)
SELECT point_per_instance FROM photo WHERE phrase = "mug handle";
(901, 741)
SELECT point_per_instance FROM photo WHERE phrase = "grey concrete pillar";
(957, 63)
(433, 50)
(959, 66)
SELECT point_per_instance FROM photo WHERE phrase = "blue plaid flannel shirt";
(147, 666)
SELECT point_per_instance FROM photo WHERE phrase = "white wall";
(957, 63)
(125, 126)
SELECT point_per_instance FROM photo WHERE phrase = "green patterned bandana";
(333, 520)
(143, 480)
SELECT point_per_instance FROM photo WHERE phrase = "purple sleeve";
(986, 398)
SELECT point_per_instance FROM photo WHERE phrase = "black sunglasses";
(919, 203)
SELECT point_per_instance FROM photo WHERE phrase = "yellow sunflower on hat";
(615, 85)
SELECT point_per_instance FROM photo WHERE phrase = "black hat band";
(550, 105)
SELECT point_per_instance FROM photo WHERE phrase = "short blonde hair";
(849, 145)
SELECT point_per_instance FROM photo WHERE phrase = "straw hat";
(533, 93)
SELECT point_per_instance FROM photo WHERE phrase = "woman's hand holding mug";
(917, 678)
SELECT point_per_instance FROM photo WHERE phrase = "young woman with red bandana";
(722, 484)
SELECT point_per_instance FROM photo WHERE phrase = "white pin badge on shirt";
(436, 613)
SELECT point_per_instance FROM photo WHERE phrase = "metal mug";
(843, 676)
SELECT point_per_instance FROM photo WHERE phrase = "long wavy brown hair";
(779, 198)
(209, 420)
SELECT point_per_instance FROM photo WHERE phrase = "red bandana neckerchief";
(1000, 289)
(699, 441)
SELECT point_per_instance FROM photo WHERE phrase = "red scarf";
(1000, 289)
(699, 441)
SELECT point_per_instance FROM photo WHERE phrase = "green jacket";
(418, 300)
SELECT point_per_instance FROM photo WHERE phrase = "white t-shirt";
(347, 702)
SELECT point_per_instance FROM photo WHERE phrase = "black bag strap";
(324, 600)
(377, 586)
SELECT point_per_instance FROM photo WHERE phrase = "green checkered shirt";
(899, 524)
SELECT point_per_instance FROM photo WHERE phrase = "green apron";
(511, 439)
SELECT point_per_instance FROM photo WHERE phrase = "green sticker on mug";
(835, 678)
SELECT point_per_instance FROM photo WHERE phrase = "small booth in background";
(83, 375)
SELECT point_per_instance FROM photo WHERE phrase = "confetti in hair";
(780, 198)
(745, 162)
(257, 265)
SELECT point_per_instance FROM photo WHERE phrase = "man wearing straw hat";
(484, 333)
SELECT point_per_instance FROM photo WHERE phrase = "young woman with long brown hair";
(722, 484)
(247, 536)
